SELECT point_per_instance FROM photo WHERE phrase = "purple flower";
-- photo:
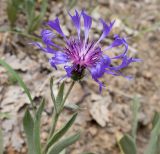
(79, 54)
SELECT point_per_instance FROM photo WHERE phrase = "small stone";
(24, 150)
(44, 135)
(93, 131)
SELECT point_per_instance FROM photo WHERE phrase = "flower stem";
(68, 92)
(56, 116)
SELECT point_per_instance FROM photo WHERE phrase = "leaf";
(36, 130)
(152, 147)
(40, 110)
(52, 94)
(63, 152)
(28, 125)
(1, 142)
(127, 145)
(72, 3)
(36, 21)
(12, 10)
(18, 78)
(155, 119)
(30, 10)
(59, 98)
(72, 107)
(34, 24)
(61, 131)
(58, 147)
(135, 110)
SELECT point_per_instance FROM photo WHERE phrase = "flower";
(79, 54)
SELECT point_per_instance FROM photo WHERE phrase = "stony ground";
(102, 116)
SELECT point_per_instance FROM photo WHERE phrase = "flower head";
(79, 54)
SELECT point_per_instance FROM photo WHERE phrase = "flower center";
(84, 55)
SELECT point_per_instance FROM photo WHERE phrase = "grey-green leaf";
(30, 9)
(64, 143)
(127, 145)
(72, 3)
(72, 107)
(61, 131)
(1, 142)
(36, 20)
(155, 119)
(20, 81)
(52, 94)
(152, 147)
(63, 152)
(59, 98)
(12, 10)
(36, 134)
(28, 125)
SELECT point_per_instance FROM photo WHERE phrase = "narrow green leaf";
(155, 119)
(52, 94)
(63, 152)
(20, 81)
(36, 21)
(28, 125)
(60, 133)
(59, 98)
(152, 147)
(30, 9)
(40, 110)
(59, 146)
(34, 24)
(127, 145)
(72, 107)
(13, 6)
(135, 111)
(1, 142)
(72, 3)
(11, 12)
(36, 134)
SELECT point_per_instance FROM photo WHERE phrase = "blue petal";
(99, 70)
(125, 62)
(47, 49)
(87, 24)
(117, 73)
(118, 41)
(106, 29)
(69, 70)
(59, 58)
(56, 26)
(76, 21)
(101, 85)
(47, 36)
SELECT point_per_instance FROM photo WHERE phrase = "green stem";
(68, 92)
(54, 122)
(56, 116)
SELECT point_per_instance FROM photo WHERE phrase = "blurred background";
(103, 117)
